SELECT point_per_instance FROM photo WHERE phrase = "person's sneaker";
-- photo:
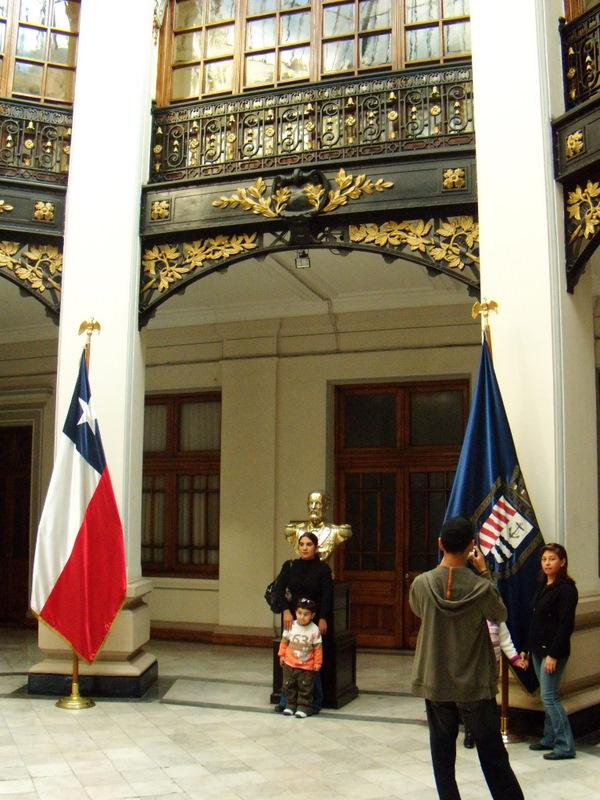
(540, 746)
(469, 741)
(289, 712)
(301, 714)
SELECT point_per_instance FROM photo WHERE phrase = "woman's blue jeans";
(557, 729)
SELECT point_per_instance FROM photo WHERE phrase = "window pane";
(370, 420)
(219, 10)
(260, 34)
(187, 47)
(59, 84)
(155, 429)
(338, 19)
(338, 56)
(260, 68)
(2, 35)
(219, 41)
(66, 15)
(186, 83)
(375, 50)
(294, 3)
(63, 49)
(261, 6)
(295, 28)
(153, 519)
(419, 10)
(456, 8)
(188, 14)
(3, 8)
(31, 43)
(294, 64)
(218, 76)
(35, 11)
(457, 38)
(422, 44)
(374, 14)
(200, 426)
(436, 418)
(27, 79)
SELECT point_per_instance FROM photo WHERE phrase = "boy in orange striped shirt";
(300, 655)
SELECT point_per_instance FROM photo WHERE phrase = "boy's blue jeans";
(557, 729)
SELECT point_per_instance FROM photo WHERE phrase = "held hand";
(477, 558)
(322, 627)
(287, 619)
(281, 661)
(549, 665)
(524, 661)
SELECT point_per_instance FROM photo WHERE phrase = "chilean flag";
(79, 576)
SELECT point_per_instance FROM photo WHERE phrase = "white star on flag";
(87, 415)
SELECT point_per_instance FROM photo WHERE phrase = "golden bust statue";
(328, 534)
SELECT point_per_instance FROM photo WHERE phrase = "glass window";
(436, 418)
(180, 504)
(41, 37)
(239, 45)
(370, 420)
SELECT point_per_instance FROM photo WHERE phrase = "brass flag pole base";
(507, 736)
(75, 702)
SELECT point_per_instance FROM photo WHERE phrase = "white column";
(542, 336)
(109, 157)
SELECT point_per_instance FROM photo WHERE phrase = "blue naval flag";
(489, 489)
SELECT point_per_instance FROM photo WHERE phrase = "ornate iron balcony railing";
(34, 142)
(337, 121)
(581, 57)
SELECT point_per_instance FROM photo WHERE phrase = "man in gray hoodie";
(455, 667)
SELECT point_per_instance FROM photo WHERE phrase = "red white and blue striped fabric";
(79, 575)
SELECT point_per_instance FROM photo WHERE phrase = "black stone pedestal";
(120, 686)
(338, 673)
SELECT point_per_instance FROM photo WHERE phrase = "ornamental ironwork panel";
(581, 57)
(336, 121)
(35, 142)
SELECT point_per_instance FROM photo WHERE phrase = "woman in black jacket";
(307, 577)
(552, 622)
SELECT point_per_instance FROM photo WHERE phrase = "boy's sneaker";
(289, 712)
(301, 714)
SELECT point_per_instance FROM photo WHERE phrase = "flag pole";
(75, 702)
(483, 309)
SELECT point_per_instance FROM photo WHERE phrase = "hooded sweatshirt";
(454, 659)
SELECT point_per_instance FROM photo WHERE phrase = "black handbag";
(272, 591)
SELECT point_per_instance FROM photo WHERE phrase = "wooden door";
(15, 490)
(397, 447)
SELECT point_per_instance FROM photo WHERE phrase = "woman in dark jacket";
(552, 622)
(311, 578)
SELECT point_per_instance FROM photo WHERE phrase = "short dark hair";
(456, 533)
(305, 603)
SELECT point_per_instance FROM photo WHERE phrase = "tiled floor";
(174, 745)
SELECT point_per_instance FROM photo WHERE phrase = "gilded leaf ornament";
(575, 144)
(43, 211)
(5, 207)
(453, 243)
(254, 199)
(38, 266)
(257, 200)
(583, 208)
(166, 264)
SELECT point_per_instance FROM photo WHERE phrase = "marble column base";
(122, 669)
